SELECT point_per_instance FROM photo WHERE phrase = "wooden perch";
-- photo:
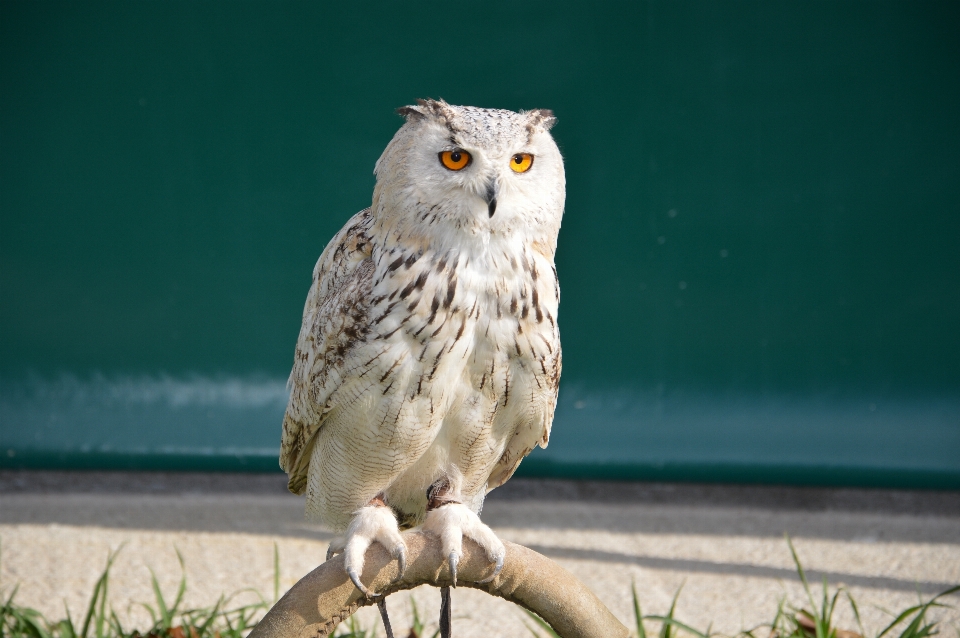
(325, 597)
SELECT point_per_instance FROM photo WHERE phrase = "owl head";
(462, 171)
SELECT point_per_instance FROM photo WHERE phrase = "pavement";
(724, 545)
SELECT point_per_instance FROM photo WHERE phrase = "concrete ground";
(723, 544)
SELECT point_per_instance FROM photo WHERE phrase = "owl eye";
(455, 160)
(521, 162)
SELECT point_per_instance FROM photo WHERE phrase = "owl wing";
(536, 430)
(334, 319)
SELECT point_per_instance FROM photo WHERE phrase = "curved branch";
(325, 597)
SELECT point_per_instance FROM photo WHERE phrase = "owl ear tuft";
(411, 113)
(543, 118)
(436, 108)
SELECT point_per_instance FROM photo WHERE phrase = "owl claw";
(452, 523)
(336, 546)
(454, 560)
(401, 557)
(496, 571)
(370, 524)
(352, 573)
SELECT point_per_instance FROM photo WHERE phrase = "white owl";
(429, 357)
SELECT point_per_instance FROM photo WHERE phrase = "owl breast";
(458, 371)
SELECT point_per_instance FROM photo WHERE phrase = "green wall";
(759, 257)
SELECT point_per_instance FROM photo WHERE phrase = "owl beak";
(491, 197)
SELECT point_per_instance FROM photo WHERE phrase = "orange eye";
(455, 160)
(521, 162)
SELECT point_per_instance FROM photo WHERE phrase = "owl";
(428, 361)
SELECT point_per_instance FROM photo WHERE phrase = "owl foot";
(371, 523)
(451, 522)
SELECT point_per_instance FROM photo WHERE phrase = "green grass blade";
(666, 629)
(181, 588)
(8, 606)
(637, 614)
(153, 614)
(226, 619)
(542, 623)
(91, 607)
(115, 626)
(354, 629)
(98, 590)
(916, 626)
(533, 632)
(67, 630)
(276, 572)
(803, 574)
(205, 627)
(856, 612)
(833, 601)
(926, 630)
(415, 613)
(101, 619)
(917, 608)
(906, 613)
(34, 624)
(778, 618)
(64, 629)
(911, 630)
(825, 624)
(673, 622)
(161, 603)
(947, 592)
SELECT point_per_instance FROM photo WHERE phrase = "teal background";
(759, 256)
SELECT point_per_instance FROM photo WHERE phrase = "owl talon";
(352, 573)
(401, 556)
(336, 546)
(496, 571)
(452, 523)
(454, 560)
(371, 524)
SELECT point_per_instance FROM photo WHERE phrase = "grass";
(169, 619)
(788, 622)
(817, 621)
(226, 619)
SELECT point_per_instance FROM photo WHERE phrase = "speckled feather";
(429, 344)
